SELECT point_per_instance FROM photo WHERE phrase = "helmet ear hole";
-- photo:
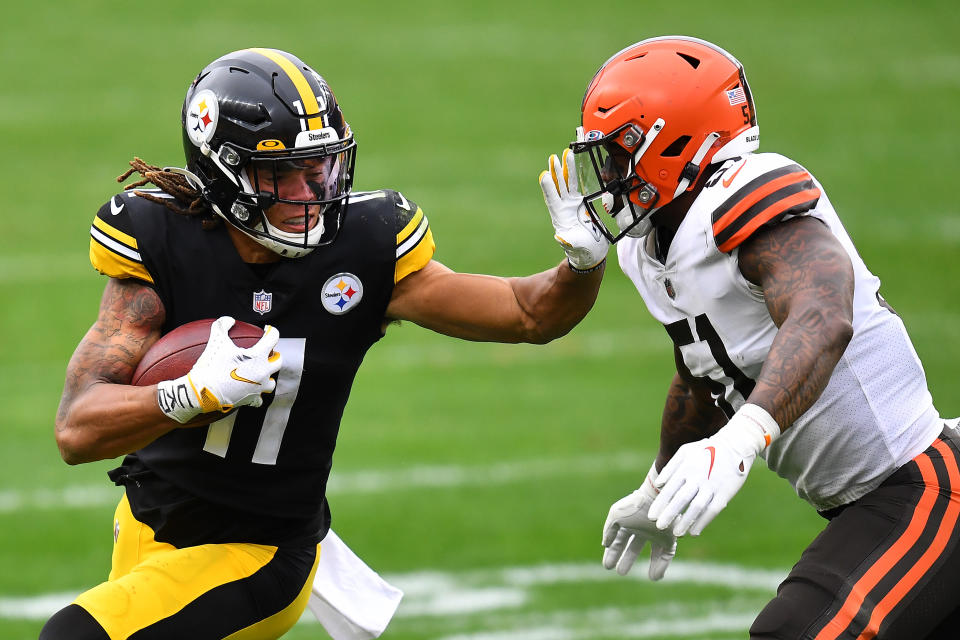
(676, 147)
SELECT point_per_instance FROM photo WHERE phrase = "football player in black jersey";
(218, 532)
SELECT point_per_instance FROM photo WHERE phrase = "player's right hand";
(224, 377)
(628, 529)
(583, 243)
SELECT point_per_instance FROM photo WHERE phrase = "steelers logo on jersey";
(341, 293)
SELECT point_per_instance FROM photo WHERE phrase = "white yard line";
(652, 625)
(440, 594)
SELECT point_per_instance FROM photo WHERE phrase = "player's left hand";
(702, 477)
(583, 243)
(628, 529)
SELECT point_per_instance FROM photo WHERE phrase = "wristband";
(176, 398)
(757, 416)
(584, 271)
(650, 482)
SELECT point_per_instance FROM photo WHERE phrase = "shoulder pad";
(756, 190)
(414, 240)
(114, 250)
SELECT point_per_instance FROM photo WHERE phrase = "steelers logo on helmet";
(201, 117)
(341, 293)
(254, 118)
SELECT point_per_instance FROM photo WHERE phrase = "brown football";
(176, 352)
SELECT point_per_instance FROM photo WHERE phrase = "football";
(175, 353)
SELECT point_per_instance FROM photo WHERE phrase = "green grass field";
(476, 477)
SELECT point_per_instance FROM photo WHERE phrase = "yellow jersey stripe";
(307, 96)
(416, 258)
(115, 233)
(411, 227)
(115, 265)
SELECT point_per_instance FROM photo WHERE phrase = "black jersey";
(329, 307)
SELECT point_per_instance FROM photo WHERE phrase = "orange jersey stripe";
(766, 216)
(755, 196)
(929, 556)
(851, 606)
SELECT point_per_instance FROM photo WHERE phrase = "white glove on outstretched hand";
(583, 243)
(225, 375)
(703, 476)
(628, 528)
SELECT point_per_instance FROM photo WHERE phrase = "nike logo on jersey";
(403, 202)
(728, 181)
(235, 376)
(713, 456)
(115, 208)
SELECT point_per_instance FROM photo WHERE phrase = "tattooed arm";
(688, 415)
(807, 281)
(100, 416)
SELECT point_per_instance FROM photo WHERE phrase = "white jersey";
(875, 413)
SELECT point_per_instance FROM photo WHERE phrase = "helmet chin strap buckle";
(692, 170)
(192, 178)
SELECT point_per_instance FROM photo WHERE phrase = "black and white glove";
(583, 243)
(225, 376)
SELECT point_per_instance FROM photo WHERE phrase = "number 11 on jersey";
(277, 414)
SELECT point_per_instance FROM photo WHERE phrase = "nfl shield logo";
(262, 301)
(669, 287)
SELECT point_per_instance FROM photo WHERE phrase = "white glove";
(225, 375)
(703, 476)
(628, 528)
(583, 243)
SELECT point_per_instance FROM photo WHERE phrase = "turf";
(458, 106)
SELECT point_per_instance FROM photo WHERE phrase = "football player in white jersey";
(784, 349)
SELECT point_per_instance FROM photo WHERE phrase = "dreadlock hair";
(187, 200)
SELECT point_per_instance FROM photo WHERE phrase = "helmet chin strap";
(694, 164)
(312, 236)
(623, 216)
(191, 177)
(294, 250)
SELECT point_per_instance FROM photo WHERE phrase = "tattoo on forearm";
(807, 281)
(128, 322)
(687, 417)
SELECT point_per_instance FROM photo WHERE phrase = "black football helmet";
(253, 115)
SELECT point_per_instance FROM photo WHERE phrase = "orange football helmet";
(654, 117)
